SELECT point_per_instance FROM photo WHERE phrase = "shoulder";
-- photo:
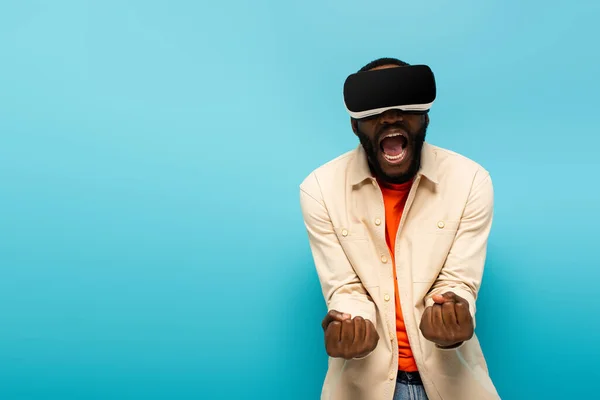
(454, 168)
(327, 175)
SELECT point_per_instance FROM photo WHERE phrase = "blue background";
(151, 243)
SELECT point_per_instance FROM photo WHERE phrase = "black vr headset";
(409, 88)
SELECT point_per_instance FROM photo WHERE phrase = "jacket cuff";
(356, 306)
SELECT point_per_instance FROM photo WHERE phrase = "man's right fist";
(347, 337)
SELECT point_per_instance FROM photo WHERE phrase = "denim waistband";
(409, 378)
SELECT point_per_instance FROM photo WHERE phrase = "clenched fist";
(347, 337)
(448, 322)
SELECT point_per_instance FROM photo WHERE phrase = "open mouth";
(394, 147)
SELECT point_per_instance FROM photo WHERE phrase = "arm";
(342, 289)
(463, 270)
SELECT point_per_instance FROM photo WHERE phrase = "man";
(398, 229)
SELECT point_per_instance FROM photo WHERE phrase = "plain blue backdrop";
(151, 243)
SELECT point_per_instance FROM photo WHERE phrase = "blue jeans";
(409, 387)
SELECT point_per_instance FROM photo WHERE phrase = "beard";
(417, 141)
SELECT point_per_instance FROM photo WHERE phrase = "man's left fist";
(448, 322)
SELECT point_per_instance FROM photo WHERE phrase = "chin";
(396, 173)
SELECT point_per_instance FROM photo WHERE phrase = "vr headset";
(409, 88)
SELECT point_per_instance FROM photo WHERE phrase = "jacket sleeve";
(341, 287)
(463, 269)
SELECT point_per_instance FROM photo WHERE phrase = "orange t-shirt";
(394, 198)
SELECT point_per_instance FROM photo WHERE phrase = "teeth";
(393, 158)
(392, 135)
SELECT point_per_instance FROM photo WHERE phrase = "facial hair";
(369, 145)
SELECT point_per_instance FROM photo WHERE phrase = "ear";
(426, 122)
(354, 124)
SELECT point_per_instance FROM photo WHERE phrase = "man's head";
(393, 140)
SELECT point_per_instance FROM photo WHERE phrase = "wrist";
(449, 347)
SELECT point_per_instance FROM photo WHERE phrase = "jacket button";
(344, 232)
(386, 297)
(391, 377)
(384, 259)
(377, 222)
(441, 224)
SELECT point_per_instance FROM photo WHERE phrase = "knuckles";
(337, 348)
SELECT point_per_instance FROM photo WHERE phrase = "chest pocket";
(430, 241)
(433, 226)
(351, 233)
(361, 253)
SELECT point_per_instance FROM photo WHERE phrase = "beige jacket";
(440, 246)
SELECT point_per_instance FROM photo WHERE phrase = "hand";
(347, 337)
(448, 322)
